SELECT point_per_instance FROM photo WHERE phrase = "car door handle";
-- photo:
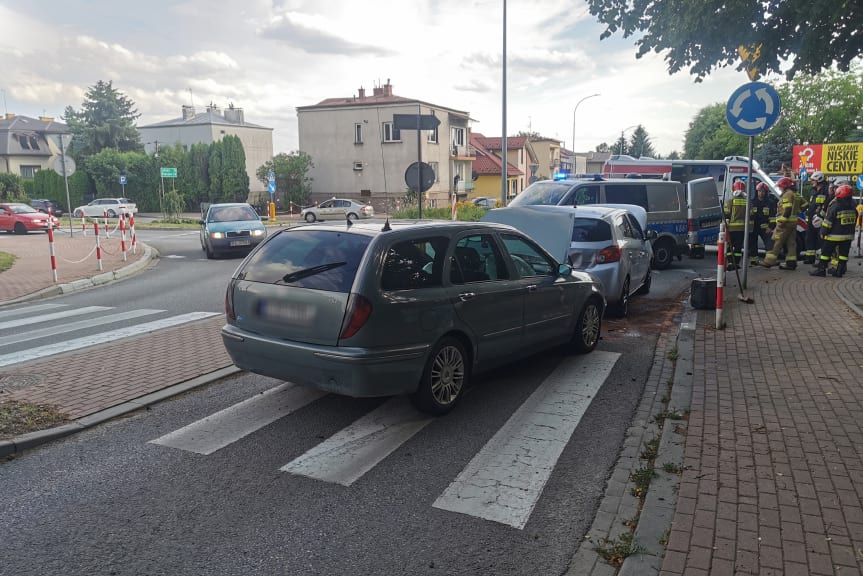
(532, 288)
(465, 296)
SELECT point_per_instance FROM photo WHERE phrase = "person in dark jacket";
(837, 232)
(735, 214)
(814, 215)
(764, 218)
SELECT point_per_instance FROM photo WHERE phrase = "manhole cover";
(10, 382)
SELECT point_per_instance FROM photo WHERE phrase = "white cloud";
(270, 57)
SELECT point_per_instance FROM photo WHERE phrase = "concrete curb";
(654, 522)
(26, 441)
(619, 506)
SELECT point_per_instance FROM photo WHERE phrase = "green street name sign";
(169, 172)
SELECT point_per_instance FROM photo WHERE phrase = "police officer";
(815, 212)
(837, 232)
(735, 214)
(764, 217)
(785, 233)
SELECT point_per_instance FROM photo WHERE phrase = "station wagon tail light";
(229, 301)
(608, 255)
(358, 312)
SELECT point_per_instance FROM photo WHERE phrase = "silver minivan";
(685, 218)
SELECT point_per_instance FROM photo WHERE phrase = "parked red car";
(22, 218)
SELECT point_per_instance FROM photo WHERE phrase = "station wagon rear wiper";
(299, 274)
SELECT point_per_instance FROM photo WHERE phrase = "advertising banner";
(832, 159)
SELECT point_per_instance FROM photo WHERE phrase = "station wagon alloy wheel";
(587, 329)
(443, 378)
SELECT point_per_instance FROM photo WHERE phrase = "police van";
(684, 217)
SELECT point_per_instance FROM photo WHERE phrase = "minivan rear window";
(318, 259)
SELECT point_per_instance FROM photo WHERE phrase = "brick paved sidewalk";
(75, 258)
(773, 479)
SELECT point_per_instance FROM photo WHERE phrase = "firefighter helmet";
(762, 187)
(738, 185)
(843, 191)
(785, 182)
(818, 177)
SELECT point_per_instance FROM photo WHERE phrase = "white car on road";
(337, 209)
(99, 207)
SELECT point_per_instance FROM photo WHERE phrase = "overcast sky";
(269, 56)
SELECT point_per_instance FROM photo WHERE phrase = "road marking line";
(53, 316)
(73, 326)
(225, 427)
(346, 456)
(101, 338)
(505, 479)
(30, 309)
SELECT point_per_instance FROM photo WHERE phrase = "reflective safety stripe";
(839, 237)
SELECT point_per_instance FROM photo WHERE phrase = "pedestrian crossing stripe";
(502, 483)
(68, 327)
(235, 422)
(505, 479)
(31, 320)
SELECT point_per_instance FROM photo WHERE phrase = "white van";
(685, 218)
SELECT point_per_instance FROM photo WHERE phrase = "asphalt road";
(110, 500)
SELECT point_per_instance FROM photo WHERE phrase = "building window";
(358, 166)
(432, 137)
(29, 171)
(391, 133)
(358, 133)
(458, 136)
(27, 141)
(434, 166)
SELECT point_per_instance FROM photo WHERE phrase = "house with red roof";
(487, 169)
(520, 155)
(359, 153)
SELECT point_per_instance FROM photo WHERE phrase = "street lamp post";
(622, 144)
(573, 122)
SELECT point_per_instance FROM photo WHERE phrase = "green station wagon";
(378, 309)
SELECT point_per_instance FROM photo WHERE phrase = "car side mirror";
(651, 235)
(564, 270)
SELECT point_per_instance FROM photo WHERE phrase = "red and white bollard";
(123, 235)
(53, 256)
(98, 245)
(83, 225)
(132, 233)
(107, 228)
(720, 276)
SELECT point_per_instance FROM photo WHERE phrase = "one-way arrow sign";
(415, 121)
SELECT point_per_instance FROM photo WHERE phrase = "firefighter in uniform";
(735, 214)
(764, 216)
(785, 233)
(837, 232)
(814, 215)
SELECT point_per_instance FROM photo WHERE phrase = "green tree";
(235, 179)
(705, 34)
(673, 155)
(215, 171)
(293, 183)
(193, 176)
(709, 137)
(48, 184)
(826, 107)
(106, 120)
(11, 188)
(639, 143)
(603, 147)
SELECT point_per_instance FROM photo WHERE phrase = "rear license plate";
(240, 242)
(289, 313)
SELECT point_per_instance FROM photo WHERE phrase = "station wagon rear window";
(318, 259)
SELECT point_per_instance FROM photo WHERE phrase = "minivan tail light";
(358, 312)
(608, 255)
(229, 301)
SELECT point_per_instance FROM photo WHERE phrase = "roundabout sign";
(752, 108)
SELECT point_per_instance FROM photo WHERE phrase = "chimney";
(388, 88)
(46, 118)
(362, 92)
(378, 91)
(9, 115)
(234, 115)
(188, 112)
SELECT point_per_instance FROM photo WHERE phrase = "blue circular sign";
(753, 108)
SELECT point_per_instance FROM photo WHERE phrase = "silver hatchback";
(377, 309)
